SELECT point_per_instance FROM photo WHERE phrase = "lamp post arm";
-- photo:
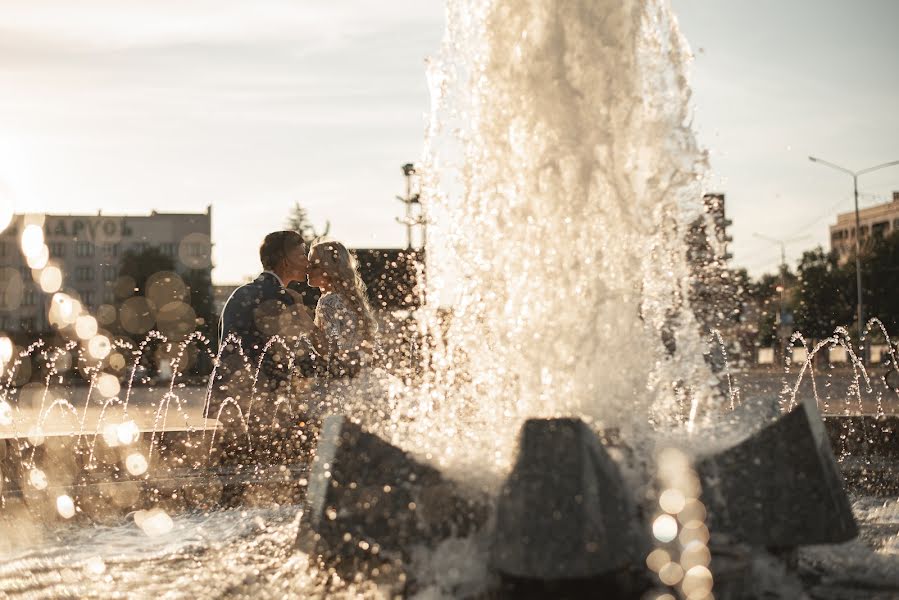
(883, 166)
(831, 165)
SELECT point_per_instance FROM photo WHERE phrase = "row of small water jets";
(124, 432)
(841, 338)
(127, 431)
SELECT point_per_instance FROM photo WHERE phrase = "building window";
(88, 298)
(29, 298)
(57, 249)
(108, 297)
(879, 230)
(84, 249)
(110, 250)
(110, 272)
(27, 324)
(197, 250)
(168, 249)
(84, 273)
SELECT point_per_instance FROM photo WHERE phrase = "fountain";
(566, 436)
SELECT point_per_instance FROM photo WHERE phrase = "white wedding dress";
(352, 387)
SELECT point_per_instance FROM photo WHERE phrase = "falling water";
(562, 171)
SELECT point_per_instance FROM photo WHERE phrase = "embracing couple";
(266, 325)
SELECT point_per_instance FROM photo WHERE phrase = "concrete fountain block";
(365, 493)
(565, 512)
(780, 487)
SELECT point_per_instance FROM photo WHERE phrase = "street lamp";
(858, 232)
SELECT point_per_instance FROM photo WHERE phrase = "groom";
(264, 308)
(254, 314)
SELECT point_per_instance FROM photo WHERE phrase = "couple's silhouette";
(283, 366)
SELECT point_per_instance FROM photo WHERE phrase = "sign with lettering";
(87, 228)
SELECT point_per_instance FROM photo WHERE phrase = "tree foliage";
(827, 296)
(299, 221)
(880, 273)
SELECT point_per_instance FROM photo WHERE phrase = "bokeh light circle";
(108, 385)
(664, 528)
(32, 240)
(697, 583)
(99, 347)
(85, 327)
(671, 574)
(51, 279)
(136, 463)
(65, 506)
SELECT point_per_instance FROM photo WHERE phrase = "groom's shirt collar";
(275, 275)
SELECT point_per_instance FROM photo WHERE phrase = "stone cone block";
(565, 512)
(780, 487)
(365, 493)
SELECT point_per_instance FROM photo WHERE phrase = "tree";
(825, 296)
(880, 272)
(765, 296)
(299, 221)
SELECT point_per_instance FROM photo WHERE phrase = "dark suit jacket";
(257, 311)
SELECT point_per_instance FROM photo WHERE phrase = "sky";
(127, 106)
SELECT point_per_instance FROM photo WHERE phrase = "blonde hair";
(343, 270)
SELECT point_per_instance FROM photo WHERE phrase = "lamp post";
(858, 261)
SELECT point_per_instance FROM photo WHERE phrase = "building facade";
(874, 222)
(88, 250)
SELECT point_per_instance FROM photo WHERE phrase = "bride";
(344, 333)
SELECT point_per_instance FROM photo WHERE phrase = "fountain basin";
(111, 462)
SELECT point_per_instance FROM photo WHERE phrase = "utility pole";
(858, 233)
(782, 331)
(412, 199)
